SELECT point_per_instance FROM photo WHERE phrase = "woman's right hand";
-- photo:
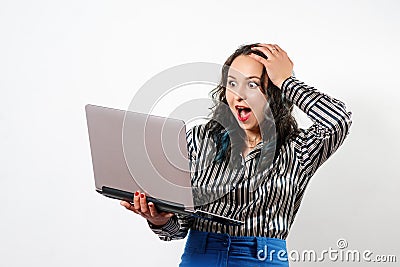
(147, 210)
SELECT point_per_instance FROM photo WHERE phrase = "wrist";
(157, 224)
(154, 226)
(280, 83)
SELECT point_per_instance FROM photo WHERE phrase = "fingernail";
(141, 195)
(136, 193)
(150, 204)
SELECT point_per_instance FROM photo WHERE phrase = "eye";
(253, 85)
(232, 83)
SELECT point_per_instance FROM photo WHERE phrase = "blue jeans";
(217, 250)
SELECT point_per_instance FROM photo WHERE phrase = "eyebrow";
(246, 77)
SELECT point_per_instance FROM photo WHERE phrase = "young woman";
(251, 162)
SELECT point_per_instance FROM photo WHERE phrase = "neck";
(252, 138)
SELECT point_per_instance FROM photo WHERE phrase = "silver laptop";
(134, 151)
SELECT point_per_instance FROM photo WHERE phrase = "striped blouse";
(266, 201)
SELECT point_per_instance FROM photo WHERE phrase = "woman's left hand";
(279, 67)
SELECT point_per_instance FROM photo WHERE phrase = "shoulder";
(198, 131)
(196, 136)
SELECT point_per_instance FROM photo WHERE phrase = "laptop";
(135, 151)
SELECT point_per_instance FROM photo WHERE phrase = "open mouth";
(243, 112)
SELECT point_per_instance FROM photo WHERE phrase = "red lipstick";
(243, 112)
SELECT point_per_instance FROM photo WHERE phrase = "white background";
(57, 56)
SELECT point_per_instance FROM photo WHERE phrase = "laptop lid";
(135, 151)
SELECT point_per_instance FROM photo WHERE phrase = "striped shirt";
(266, 201)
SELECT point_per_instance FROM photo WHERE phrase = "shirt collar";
(255, 151)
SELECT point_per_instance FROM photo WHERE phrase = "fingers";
(272, 47)
(263, 49)
(128, 206)
(139, 204)
(283, 52)
(269, 49)
(143, 204)
(136, 199)
(153, 210)
(279, 48)
(154, 213)
(259, 59)
(147, 210)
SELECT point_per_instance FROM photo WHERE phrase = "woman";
(252, 163)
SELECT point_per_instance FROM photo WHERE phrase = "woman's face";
(244, 94)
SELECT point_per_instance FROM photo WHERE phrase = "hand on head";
(279, 67)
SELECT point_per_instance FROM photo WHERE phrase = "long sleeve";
(176, 228)
(331, 123)
(178, 225)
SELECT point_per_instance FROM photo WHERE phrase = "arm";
(331, 120)
(331, 123)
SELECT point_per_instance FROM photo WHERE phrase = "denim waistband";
(199, 242)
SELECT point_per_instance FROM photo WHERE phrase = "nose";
(240, 92)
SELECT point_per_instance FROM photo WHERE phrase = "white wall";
(57, 56)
